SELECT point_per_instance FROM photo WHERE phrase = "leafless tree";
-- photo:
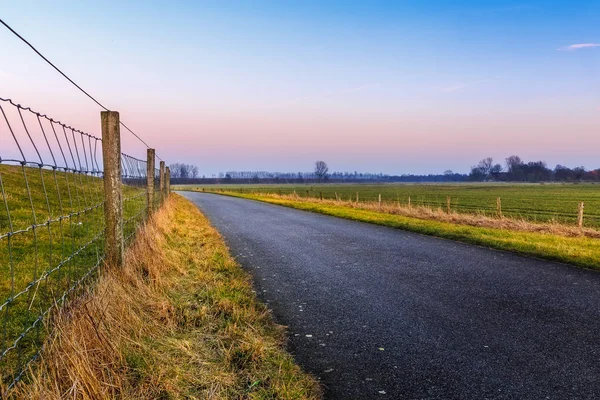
(482, 170)
(182, 170)
(495, 171)
(321, 170)
(174, 168)
(514, 168)
(512, 162)
(486, 165)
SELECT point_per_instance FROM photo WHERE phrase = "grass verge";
(579, 250)
(180, 320)
(534, 202)
(51, 236)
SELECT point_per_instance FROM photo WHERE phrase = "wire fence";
(52, 223)
(549, 203)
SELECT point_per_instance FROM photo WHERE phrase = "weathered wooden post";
(150, 181)
(409, 206)
(356, 197)
(321, 195)
(448, 204)
(113, 196)
(168, 181)
(380, 200)
(161, 184)
(580, 215)
(499, 207)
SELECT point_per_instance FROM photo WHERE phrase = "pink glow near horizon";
(227, 90)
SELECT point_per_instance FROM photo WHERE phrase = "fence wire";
(133, 175)
(560, 208)
(51, 224)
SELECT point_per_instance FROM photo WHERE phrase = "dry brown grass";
(452, 217)
(180, 320)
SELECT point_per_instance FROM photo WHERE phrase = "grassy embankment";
(180, 320)
(550, 241)
(42, 263)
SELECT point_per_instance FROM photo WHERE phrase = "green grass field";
(568, 245)
(38, 265)
(532, 202)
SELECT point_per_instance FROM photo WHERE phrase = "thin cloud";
(354, 89)
(453, 88)
(462, 85)
(578, 46)
(348, 90)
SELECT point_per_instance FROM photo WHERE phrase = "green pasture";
(39, 264)
(557, 202)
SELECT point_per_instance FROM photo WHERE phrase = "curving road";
(381, 313)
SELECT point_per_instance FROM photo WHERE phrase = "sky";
(397, 87)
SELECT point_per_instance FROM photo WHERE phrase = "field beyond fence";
(62, 191)
(543, 203)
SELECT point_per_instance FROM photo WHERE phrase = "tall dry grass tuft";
(180, 320)
(438, 214)
(84, 357)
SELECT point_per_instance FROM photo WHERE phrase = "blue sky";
(397, 87)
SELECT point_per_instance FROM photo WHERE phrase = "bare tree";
(514, 167)
(486, 165)
(321, 170)
(184, 170)
(482, 170)
(495, 171)
(513, 162)
(194, 171)
(174, 168)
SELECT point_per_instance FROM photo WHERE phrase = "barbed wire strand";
(71, 80)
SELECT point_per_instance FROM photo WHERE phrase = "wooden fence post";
(321, 195)
(409, 206)
(448, 204)
(580, 215)
(380, 200)
(499, 207)
(113, 195)
(162, 181)
(356, 197)
(150, 181)
(168, 181)
(336, 197)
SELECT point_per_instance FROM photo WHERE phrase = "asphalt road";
(381, 313)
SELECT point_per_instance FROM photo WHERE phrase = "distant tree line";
(240, 177)
(184, 171)
(513, 170)
(517, 170)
